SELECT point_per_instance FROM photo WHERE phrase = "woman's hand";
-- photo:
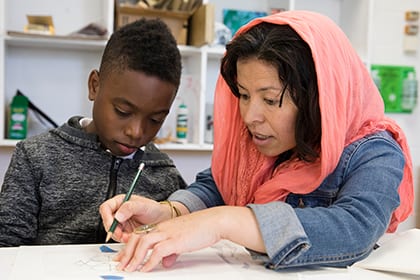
(169, 239)
(131, 214)
(189, 233)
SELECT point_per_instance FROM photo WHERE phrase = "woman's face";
(272, 127)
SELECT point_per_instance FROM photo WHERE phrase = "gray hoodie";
(56, 181)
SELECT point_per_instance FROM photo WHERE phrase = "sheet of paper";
(89, 262)
(357, 273)
(224, 260)
(400, 253)
(7, 257)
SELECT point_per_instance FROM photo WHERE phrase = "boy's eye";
(157, 121)
(121, 112)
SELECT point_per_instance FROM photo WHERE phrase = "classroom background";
(51, 69)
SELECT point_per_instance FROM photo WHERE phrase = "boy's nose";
(134, 129)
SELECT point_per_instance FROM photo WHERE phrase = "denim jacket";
(337, 224)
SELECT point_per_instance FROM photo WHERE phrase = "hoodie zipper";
(112, 189)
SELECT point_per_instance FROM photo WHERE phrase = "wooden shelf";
(163, 147)
(66, 42)
(185, 147)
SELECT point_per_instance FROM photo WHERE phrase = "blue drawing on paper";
(106, 249)
(111, 277)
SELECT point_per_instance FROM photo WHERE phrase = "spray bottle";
(409, 92)
(182, 123)
(376, 78)
(18, 117)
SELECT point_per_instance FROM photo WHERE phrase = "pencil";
(127, 197)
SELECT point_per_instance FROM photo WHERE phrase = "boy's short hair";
(145, 45)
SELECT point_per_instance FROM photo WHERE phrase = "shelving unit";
(353, 16)
(52, 72)
(39, 67)
(372, 27)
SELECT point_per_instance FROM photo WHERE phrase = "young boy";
(56, 181)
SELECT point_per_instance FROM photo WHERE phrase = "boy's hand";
(131, 214)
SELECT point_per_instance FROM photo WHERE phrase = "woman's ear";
(93, 84)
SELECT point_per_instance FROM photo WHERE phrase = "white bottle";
(376, 79)
(409, 92)
(208, 132)
(182, 123)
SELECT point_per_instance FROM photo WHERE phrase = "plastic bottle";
(409, 92)
(18, 117)
(208, 132)
(182, 123)
(376, 78)
(208, 136)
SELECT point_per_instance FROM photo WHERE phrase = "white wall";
(190, 163)
(387, 41)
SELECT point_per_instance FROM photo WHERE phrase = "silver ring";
(145, 229)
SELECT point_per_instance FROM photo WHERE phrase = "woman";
(306, 168)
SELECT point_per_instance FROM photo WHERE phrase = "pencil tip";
(108, 236)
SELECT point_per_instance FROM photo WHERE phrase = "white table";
(225, 260)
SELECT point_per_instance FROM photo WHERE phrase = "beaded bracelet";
(174, 210)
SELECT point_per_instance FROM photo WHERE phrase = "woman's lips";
(261, 140)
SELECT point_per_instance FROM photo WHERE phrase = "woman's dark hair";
(283, 48)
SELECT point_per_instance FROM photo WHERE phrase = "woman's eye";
(270, 101)
(243, 96)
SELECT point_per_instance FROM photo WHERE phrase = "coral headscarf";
(351, 107)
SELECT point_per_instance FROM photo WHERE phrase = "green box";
(390, 79)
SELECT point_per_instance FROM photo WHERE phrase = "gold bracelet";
(174, 210)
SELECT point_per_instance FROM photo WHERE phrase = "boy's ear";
(93, 84)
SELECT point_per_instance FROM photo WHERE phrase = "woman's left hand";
(169, 239)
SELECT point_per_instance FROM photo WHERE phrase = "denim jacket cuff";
(190, 200)
(283, 234)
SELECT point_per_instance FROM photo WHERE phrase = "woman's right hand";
(133, 213)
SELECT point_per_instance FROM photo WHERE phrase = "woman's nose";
(252, 113)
